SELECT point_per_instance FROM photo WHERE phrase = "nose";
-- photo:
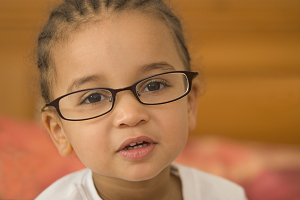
(128, 111)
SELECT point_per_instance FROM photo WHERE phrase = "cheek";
(175, 123)
(88, 141)
(178, 117)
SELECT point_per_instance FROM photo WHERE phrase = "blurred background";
(249, 113)
(249, 52)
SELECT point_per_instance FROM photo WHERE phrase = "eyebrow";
(78, 82)
(158, 65)
(146, 68)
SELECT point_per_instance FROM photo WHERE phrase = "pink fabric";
(29, 162)
(267, 172)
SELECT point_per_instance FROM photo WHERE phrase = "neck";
(164, 186)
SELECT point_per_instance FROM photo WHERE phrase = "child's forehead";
(109, 22)
(127, 29)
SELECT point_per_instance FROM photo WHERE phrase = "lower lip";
(139, 153)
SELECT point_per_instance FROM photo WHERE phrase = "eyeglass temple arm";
(44, 108)
(195, 74)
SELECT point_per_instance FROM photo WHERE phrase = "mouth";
(136, 149)
(136, 143)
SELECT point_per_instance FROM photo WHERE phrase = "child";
(127, 136)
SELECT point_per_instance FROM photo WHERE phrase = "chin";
(143, 173)
(141, 176)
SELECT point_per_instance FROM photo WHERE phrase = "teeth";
(139, 146)
(132, 144)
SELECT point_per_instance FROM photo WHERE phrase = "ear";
(193, 98)
(54, 127)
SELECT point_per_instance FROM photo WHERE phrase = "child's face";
(116, 51)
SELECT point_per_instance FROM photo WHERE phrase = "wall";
(249, 52)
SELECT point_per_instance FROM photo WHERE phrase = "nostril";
(123, 125)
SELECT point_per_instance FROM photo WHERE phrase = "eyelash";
(86, 95)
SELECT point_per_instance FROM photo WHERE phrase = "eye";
(155, 85)
(93, 98)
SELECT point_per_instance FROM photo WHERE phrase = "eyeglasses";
(154, 90)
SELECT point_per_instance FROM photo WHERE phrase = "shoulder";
(201, 185)
(68, 187)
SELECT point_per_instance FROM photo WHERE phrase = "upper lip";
(135, 140)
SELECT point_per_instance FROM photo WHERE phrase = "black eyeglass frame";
(55, 103)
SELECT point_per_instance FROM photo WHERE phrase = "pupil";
(153, 86)
(94, 98)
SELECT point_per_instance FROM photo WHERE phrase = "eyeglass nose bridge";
(131, 88)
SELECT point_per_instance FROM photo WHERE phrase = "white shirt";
(196, 185)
